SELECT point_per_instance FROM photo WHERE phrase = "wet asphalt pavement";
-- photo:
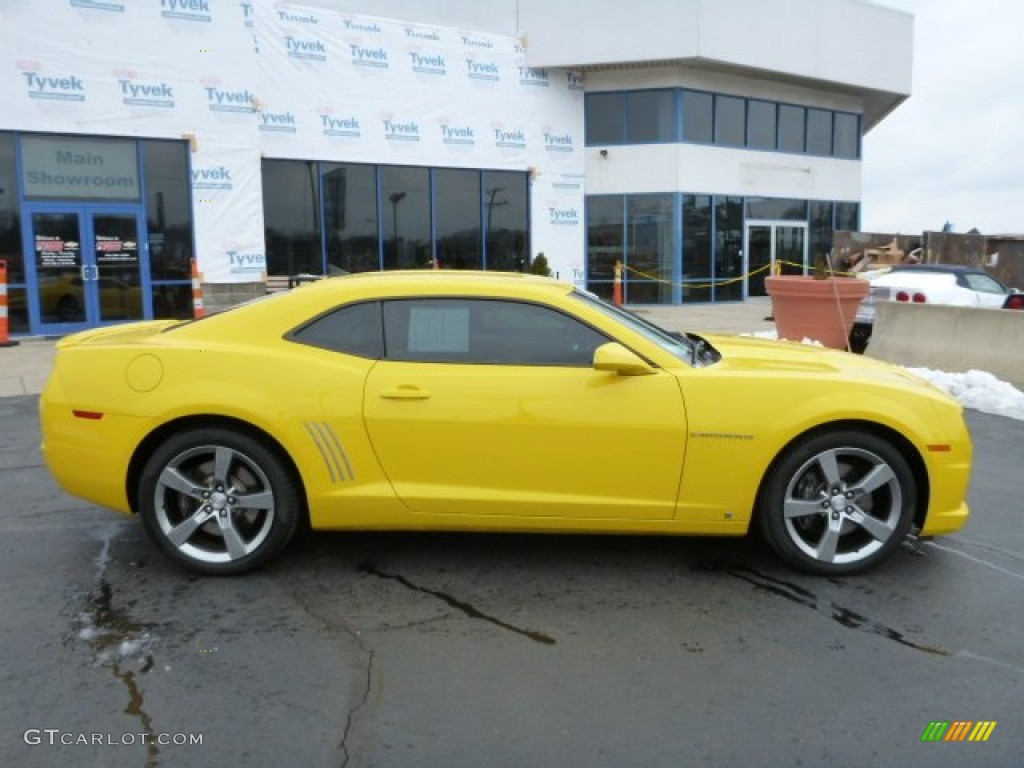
(470, 650)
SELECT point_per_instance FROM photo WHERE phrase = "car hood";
(743, 353)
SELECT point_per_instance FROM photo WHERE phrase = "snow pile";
(979, 390)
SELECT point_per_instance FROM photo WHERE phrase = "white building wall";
(697, 169)
(243, 74)
(856, 45)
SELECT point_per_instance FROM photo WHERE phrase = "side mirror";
(616, 358)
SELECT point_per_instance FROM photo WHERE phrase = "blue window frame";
(700, 117)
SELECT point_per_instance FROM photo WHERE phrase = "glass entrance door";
(769, 245)
(85, 268)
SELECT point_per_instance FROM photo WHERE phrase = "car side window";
(984, 283)
(354, 329)
(486, 332)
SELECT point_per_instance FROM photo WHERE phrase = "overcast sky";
(954, 151)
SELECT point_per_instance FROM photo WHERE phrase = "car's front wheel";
(218, 501)
(838, 503)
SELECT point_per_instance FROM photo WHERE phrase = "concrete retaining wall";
(953, 339)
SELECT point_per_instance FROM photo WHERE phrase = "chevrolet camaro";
(443, 400)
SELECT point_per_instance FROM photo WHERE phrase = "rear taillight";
(1016, 301)
(917, 298)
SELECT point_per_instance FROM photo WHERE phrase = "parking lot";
(470, 650)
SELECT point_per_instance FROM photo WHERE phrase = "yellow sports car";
(442, 400)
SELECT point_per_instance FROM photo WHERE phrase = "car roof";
(426, 281)
(953, 269)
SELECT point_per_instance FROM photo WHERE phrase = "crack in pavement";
(466, 608)
(114, 637)
(346, 756)
(364, 697)
(838, 613)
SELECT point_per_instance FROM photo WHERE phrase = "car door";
(988, 291)
(485, 407)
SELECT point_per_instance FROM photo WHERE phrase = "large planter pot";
(807, 308)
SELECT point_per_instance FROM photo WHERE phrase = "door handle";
(404, 392)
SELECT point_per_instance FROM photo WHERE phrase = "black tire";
(838, 503)
(193, 494)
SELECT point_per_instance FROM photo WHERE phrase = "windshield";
(679, 346)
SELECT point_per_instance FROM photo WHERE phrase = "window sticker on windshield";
(439, 329)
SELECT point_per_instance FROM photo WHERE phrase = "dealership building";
(694, 141)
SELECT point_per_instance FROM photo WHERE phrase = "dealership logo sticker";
(48, 87)
(187, 10)
(958, 730)
(217, 177)
(141, 94)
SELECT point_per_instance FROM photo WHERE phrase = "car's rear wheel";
(838, 503)
(218, 501)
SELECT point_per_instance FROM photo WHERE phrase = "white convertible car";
(948, 284)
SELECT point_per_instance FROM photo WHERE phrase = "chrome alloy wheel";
(214, 504)
(843, 505)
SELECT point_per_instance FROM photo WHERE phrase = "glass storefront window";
(791, 128)
(457, 219)
(605, 116)
(820, 220)
(291, 217)
(10, 216)
(847, 135)
(605, 244)
(405, 217)
(350, 217)
(168, 209)
(776, 208)
(819, 132)
(506, 220)
(697, 248)
(761, 124)
(651, 117)
(728, 248)
(847, 217)
(698, 117)
(650, 255)
(71, 167)
(730, 121)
